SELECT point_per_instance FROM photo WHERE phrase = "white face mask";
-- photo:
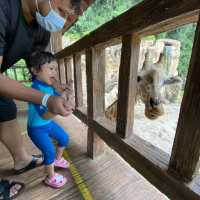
(52, 22)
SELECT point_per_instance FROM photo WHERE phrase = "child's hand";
(61, 88)
(68, 93)
(68, 88)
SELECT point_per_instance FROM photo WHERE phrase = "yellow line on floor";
(78, 179)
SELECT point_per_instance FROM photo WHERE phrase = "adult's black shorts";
(8, 109)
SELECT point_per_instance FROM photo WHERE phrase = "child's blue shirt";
(35, 111)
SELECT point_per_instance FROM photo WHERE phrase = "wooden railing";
(148, 17)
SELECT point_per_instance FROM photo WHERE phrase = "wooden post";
(95, 72)
(61, 69)
(56, 42)
(68, 69)
(98, 64)
(127, 85)
(54, 47)
(186, 148)
(78, 81)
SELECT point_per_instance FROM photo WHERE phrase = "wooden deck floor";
(108, 177)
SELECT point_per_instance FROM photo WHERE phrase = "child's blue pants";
(42, 137)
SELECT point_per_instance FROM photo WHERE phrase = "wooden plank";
(112, 42)
(158, 177)
(55, 44)
(61, 68)
(98, 74)
(103, 180)
(68, 69)
(100, 176)
(95, 101)
(127, 86)
(186, 148)
(107, 124)
(149, 151)
(78, 81)
(86, 168)
(81, 115)
(154, 14)
(33, 179)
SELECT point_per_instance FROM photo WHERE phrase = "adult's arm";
(14, 89)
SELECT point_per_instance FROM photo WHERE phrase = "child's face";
(48, 73)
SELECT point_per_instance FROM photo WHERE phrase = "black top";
(25, 38)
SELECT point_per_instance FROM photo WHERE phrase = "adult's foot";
(10, 189)
(36, 161)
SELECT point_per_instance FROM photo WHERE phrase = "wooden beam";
(78, 81)
(127, 85)
(172, 24)
(186, 148)
(112, 42)
(95, 72)
(81, 115)
(155, 14)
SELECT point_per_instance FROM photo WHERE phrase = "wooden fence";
(149, 17)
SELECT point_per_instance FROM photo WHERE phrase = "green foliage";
(19, 74)
(21, 62)
(99, 13)
(150, 37)
(103, 11)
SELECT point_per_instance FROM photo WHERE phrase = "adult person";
(25, 26)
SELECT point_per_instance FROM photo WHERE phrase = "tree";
(99, 13)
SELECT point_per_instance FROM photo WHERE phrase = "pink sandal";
(62, 163)
(57, 181)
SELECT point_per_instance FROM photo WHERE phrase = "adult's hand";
(58, 105)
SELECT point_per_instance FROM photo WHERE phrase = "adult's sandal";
(6, 189)
(33, 164)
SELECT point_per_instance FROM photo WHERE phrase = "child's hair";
(38, 58)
